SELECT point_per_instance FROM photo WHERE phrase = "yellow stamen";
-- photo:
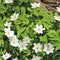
(14, 42)
(58, 17)
(38, 29)
(36, 47)
(48, 48)
(8, 0)
(14, 16)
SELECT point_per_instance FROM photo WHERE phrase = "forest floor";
(50, 4)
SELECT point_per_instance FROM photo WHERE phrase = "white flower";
(57, 17)
(15, 58)
(58, 8)
(36, 58)
(22, 45)
(7, 24)
(13, 38)
(6, 56)
(8, 1)
(39, 29)
(37, 47)
(14, 42)
(35, 5)
(48, 48)
(26, 39)
(8, 32)
(14, 16)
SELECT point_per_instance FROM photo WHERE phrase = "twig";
(48, 6)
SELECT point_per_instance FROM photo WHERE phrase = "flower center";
(6, 56)
(14, 42)
(35, 5)
(37, 47)
(35, 59)
(38, 29)
(8, 0)
(58, 17)
(22, 45)
(27, 39)
(48, 48)
(8, 32)
(14, 16)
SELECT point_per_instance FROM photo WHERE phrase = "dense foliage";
(24, 26)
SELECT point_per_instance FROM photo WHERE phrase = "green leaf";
(19, 32)
(57, 45)
(1, 58)
(2, 51)
(27, 52)
(23, 10)
(2, 9)
(43, 39)
(54, 35)
(1, 25)
(25, 1)
(1, 42)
